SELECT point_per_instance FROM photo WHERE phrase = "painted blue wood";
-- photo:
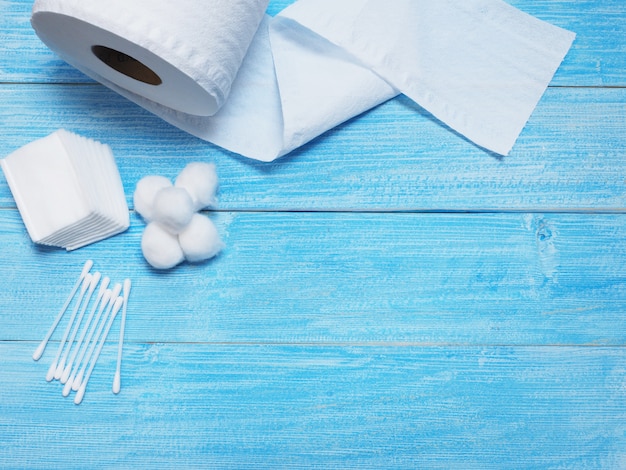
(394, 158)
(523, 279)
(390, 295)
(301, 406)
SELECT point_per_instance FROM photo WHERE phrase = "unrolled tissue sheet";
(262, 86)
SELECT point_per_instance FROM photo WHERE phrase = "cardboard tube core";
(126, 65)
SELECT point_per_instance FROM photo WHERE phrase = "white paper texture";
(479, 66)
(67, 189)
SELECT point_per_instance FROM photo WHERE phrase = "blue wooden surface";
(390, 296)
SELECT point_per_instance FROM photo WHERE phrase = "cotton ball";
(145, 192)
(200, 240)
(173, 209)
(160, 248)
(200, 181)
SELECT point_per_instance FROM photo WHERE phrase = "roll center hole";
(126, 65)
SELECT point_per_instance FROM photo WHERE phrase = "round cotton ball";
(160, 248)
(173, 209)
(200, 181)
(200, 240)
(145, 192)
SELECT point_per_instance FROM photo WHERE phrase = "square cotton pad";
(68, 190)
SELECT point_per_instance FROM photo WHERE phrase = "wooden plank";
(597, 59)
(350, 278)
(229, 406)
(358, 317)
(569, 157)
(386, 328)
(24, 58)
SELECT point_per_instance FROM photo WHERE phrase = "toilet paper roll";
(183, 54)
(258, 86)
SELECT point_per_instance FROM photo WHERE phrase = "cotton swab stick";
(103, 287)
(42, 346)
(106, 297)
(95, 279)
(83, 289)
(83, 385)
(79, 375)
(117, 381)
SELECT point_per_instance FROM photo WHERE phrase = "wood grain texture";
(390, 296)
(353, 278)
(569, 157)
(205, 406)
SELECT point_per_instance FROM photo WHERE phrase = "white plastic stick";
(42, 346)
(83, 385)
(61, 365)
(106, 297)
(117, 381)
(79, 375)
(103, 287)
(83, 289)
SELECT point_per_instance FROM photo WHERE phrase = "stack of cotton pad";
(68, 190)
(175, 230)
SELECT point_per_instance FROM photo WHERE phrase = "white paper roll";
(183, 54)
(261, 86)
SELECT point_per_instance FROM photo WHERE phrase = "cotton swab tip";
(86, 282)
(104, 285)
(66, 374)
(58, 373)
(78, 380)
(86, 268)
(116, 290)
(51, 371)
(79, 395)
(117, 385)
(67, 389)
(39, 351)
(117, 305)
(126, 288)
(94, 280)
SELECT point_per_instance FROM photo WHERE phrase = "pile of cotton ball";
(175, 231)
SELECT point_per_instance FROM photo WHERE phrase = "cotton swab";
(117, 379)
(79, 376)
(83, 385)
(103, 287)
(42, 346)
(83, 289)
(106, 297)
(95, 279)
